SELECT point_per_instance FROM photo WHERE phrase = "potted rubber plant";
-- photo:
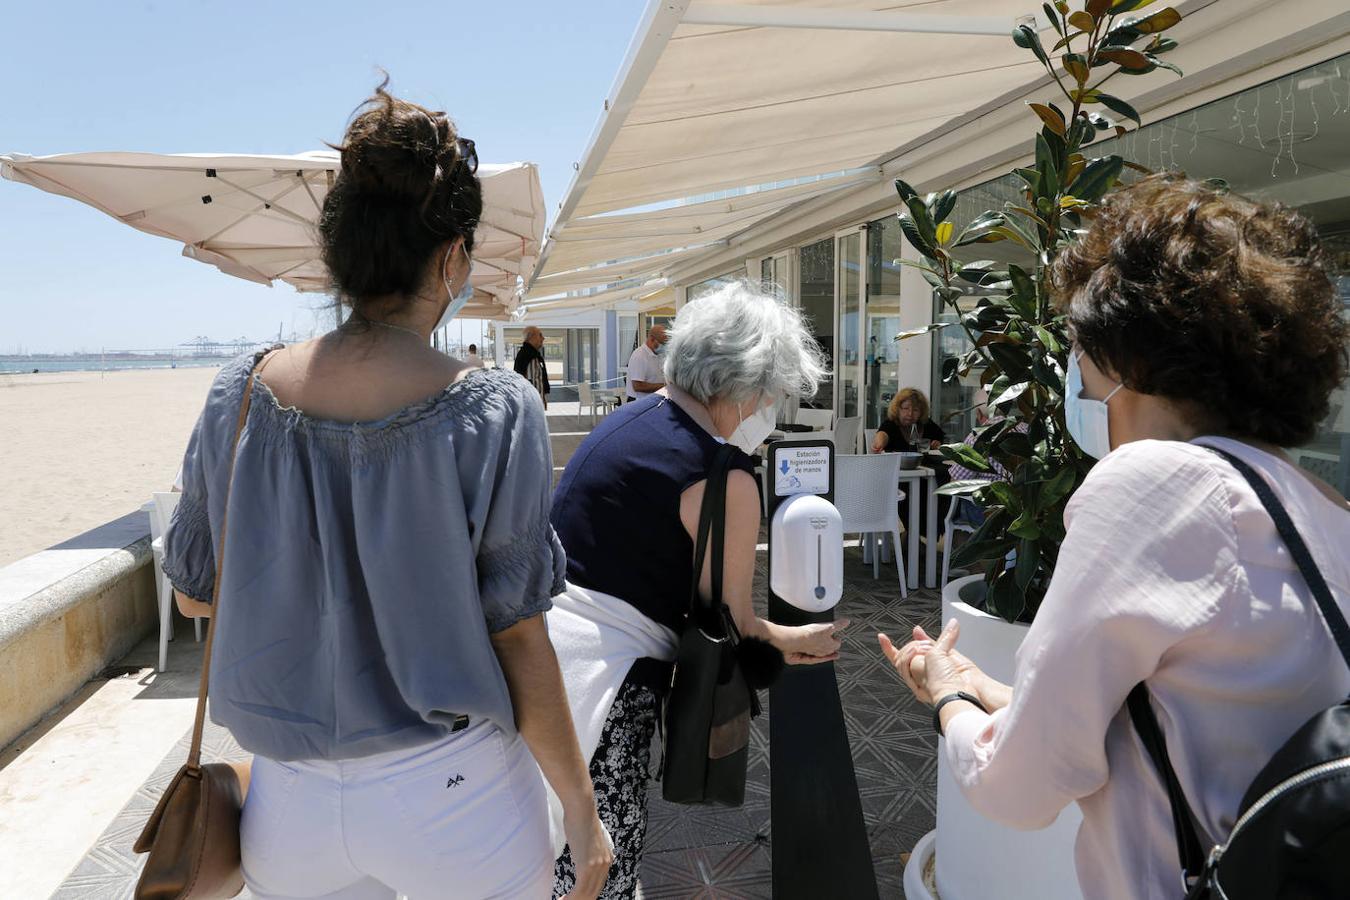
(1019, 352)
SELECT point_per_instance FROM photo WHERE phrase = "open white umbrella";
(255, 216)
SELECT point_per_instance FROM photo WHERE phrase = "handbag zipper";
(1315, 773)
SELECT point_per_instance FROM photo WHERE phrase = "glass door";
(882, 295)
(815, 296)
(849, 350)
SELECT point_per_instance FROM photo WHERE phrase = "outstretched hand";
(933, 668)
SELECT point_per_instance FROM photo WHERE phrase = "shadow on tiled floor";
(695, 852)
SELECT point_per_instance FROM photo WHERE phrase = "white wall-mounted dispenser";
(807, 536)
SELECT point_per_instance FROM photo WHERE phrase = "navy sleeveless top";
(617, 508)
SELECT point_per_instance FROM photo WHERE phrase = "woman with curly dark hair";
(1202, 322)
(381, 648)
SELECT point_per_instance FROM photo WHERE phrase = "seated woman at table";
(907, 428)
(1201, 321)
(627, 510)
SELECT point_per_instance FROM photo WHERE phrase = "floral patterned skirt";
(619, 771)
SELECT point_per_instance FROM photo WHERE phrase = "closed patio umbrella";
(255, 216)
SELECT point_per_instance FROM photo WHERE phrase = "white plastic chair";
(951, 525)
(869, 435)
(818, 419)
(846, 434)
(161, 512)
(865, 492)
(587, 399)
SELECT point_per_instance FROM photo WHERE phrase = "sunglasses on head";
(467, 154)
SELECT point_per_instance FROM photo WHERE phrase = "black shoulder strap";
(712, 522)
(1141, 709)
(1189, 851)
(1299, 551)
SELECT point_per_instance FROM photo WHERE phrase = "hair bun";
(395, 148)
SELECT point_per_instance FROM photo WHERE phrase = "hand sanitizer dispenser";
(807, 536)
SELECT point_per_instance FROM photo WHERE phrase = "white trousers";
(464, 817)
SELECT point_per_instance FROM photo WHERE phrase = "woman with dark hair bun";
(386, 566)
(1207, 337)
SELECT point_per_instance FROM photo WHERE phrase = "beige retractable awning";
(254, 216)
(717, 96)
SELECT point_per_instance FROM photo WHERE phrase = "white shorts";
(464, 817)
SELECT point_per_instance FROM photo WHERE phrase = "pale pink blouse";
(1171, 572)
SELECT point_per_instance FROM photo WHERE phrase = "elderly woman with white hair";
(627, 511)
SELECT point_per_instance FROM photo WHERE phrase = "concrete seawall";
(69, 611)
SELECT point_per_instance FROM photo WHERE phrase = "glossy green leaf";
(927, 329)
(1098, 178)
(1005, 598)
(1058, 488)
(1076, 65)
(1026, 37)
(1053, 17)
(1028, 561)
(943, 206)
(1164, 64)
(1048, 340)
(906, 192)
(1160, 44)
(1125, 57)
(1157, 22)
(1006, 397)
(1052, 119)
(1119, 107)
(962, 488)
(1045, 164)
(915, 238)
(966, 456)
(1025, 526)
(1082, 21)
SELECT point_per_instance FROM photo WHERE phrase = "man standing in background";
(473, 358)
(530, 361)
(646, 372)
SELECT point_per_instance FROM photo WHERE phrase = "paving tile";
(703, 852)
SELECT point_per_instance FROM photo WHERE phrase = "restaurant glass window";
(815, 289)
(694, 291)
(882, 356)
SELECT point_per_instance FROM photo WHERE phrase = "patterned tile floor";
(694, 852)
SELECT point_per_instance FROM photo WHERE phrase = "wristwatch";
(959, 695)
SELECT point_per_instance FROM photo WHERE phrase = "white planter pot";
(976, 858)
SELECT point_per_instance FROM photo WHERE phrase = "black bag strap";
(1189, 851)
(1335, 620)
(712, 521)
(1141, 709)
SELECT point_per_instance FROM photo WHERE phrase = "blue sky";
(524, 78)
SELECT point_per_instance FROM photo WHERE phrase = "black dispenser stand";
(820, 848)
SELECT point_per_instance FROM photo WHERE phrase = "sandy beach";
(82, 448)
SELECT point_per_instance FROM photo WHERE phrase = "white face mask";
(1088, 421)
(755, 427)
(457, 301)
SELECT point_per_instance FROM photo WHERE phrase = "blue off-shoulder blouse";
(366, 564)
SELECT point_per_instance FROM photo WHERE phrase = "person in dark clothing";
(530, 362)
(908, 429)
(627, 511)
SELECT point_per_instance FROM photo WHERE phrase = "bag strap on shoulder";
(199, 720)
(1335, 620)
(1140, 706)
(712, 522)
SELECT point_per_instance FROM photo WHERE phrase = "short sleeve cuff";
(519, 579)
(189, 558)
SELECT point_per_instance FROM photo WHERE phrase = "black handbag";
(708, 711)
(1291, 840)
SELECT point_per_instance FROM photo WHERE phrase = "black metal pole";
(820, 848)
